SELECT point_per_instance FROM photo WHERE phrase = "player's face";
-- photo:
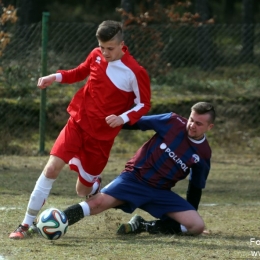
(198, 125)
(111, 50)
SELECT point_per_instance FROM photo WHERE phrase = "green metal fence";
(218, 63)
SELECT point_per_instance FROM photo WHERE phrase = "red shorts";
(84, 154)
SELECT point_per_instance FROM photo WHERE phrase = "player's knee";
(50, 171)
(53, 167)
(96, 202)
(198, 228)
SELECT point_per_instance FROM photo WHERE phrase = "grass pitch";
(230, 207)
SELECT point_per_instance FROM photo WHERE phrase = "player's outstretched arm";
(193, 195)
(46, 81)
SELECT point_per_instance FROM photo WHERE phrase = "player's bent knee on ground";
(191, 220)
(197, 227)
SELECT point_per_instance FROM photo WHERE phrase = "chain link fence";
(215, 63)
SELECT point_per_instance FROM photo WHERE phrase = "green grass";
(230, 207)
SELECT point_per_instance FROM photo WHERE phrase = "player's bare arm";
(46, 81)
(114, 121)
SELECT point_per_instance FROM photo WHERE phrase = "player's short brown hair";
(205, 108)
(110, 30)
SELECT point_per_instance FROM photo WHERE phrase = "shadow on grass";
(206, 241)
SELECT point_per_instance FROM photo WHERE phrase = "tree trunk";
(248, 27)
(204, 42)
(29, 11)
(128, 7)
(229, 11)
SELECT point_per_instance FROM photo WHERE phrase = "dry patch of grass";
(230, 207)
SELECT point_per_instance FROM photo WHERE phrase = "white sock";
(86, 210)
(183, 229)
(94, 187)
(39, 194)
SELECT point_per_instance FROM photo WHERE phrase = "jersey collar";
(198, 141)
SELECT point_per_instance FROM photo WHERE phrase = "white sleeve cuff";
(125, 118)
(58, 77)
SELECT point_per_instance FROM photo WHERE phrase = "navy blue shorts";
(137, 194)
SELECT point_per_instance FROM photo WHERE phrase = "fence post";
(42, 123)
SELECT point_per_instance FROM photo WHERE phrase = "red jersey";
(120, 87)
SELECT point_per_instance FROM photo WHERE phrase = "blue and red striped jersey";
(170, 155)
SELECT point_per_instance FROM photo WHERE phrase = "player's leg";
(42, 188)
(164, 202)
(88, 191)
(163, 226)
(90, 163)
(124, 193)
(169, 204)
(61, 152)
(185, 222)
(39, 194)
(138, 224)
(135, 225)
(191, 222)
(94, 205)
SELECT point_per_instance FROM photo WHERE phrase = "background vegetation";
(236, 129)
(30, 11)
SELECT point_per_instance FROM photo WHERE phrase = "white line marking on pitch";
(9, 208)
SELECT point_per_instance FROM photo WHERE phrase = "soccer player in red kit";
(117, 91)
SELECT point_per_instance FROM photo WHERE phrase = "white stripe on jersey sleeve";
(136, 108)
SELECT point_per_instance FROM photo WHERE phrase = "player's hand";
(206, 232)
(114, 121)
(46, 81)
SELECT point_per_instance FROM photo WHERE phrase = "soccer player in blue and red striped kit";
(178, 148)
